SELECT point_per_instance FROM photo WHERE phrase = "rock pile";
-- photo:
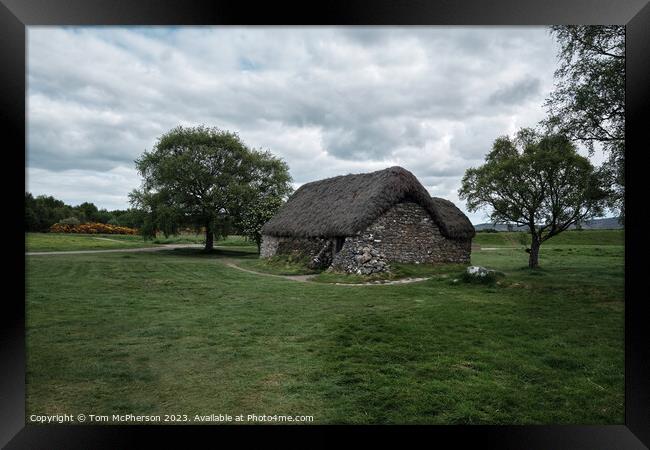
(362, 259)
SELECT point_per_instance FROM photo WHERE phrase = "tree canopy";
(535, 180)
(43, 211)
(206, 178)
(265, 195)
(588, 102)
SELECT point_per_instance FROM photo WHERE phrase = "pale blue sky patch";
(246, 64)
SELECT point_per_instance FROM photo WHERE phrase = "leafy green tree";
(87, 212)
(538, 181)
(31, 218)
(588, 102)
(256, 215)
(266, 194)
(70, 221)
(44, 211)
(102, 216)
(132, 218)
(200, 177)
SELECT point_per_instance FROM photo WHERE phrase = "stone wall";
(269, 246)
(318, 250)
(405, 233)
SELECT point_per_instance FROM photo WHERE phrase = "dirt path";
(308, 278)
(301, 278)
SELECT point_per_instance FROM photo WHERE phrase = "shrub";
(91, 228)
(292, 263)
(70, 221)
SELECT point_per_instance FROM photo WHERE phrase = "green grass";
(278, 266)
(190, 238)
(50, 242)
(185, 238)
(585, 237)
(398, 271)
(179, 332)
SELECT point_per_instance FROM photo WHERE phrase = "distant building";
(359, 223)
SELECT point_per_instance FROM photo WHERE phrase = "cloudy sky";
(330, 101)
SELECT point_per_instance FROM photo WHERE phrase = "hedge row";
(91, 228)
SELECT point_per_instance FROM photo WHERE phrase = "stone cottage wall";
(299, 247)
(405, 233)
(269, 246)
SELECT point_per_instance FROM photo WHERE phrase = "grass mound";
(280, 265)
(489, 278)
(398, 271)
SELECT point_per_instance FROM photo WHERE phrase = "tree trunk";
(533, 259)
(209, 238)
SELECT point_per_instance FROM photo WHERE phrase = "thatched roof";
(343, 205)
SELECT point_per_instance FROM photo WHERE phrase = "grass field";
(584, 237)
(179, 332)
(50, 242)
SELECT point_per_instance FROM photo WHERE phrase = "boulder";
(478, 271)
(364, 258)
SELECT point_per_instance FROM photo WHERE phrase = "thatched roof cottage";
(359, 223)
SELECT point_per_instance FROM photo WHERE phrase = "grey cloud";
(329, 100)
(372, 140)
(516, 93)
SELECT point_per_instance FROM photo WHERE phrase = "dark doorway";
(338, 244)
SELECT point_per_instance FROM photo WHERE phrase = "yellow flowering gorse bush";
(92, 228)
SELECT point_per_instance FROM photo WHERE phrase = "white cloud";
(75, 186)
(329, 100)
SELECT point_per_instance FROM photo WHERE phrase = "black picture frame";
(15, 15)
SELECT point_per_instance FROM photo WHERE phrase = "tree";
(31, 216)
(538, 181)
(256, 215)
(70, 221)
(132, 218)
(201, 177)
(87, 212)
(588, 103)
(266, 195)
(102, 216)
(44, 211)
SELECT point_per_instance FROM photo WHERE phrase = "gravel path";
(386, 283)
(308, 278)
(302, 278)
